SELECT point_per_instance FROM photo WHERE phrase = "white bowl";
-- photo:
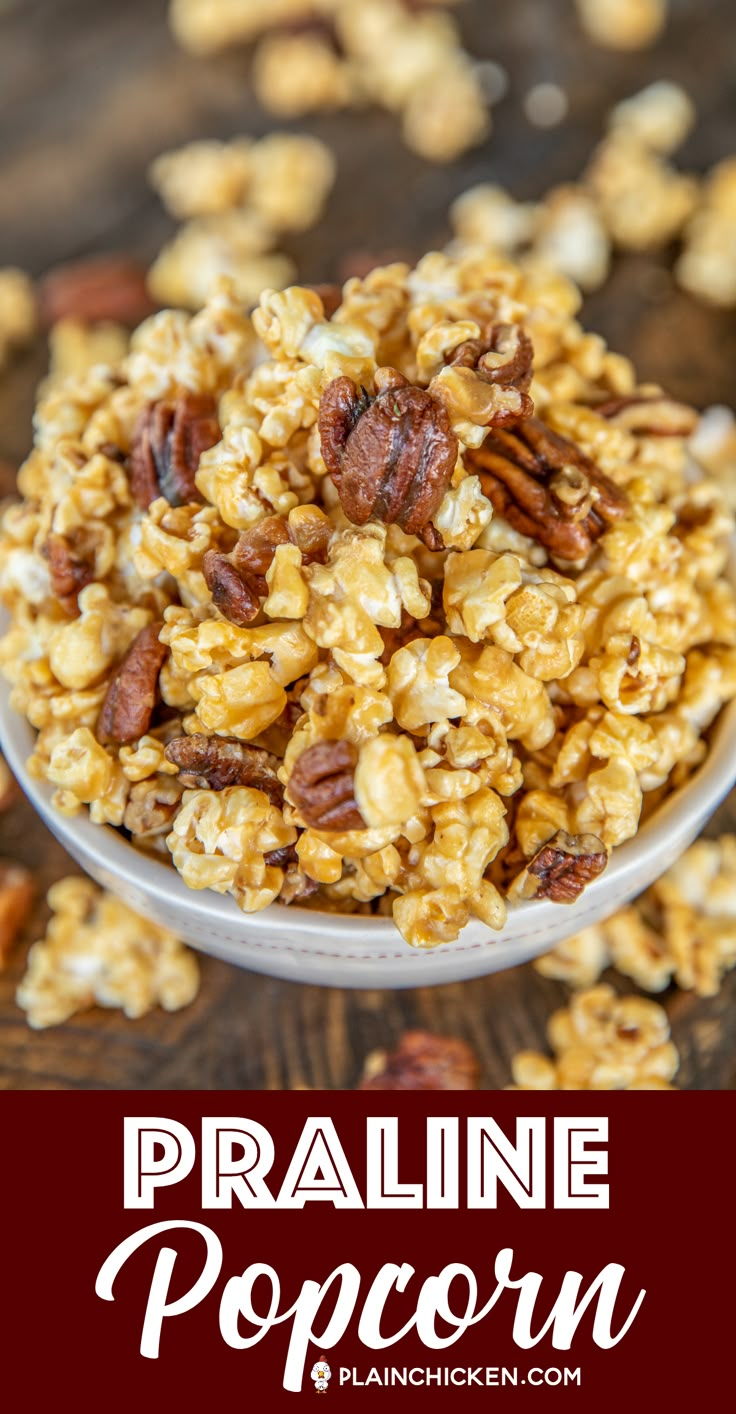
(337, 950)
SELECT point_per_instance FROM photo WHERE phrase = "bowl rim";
(279, 929)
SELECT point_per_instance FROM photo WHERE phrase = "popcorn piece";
(97, 951)
(18, 313)
(602, 1042)
(571, 236)
(232, 244)
(707, 266)
(203, 178)
(623, 24)
(644, 201)
(221, 839)
(660, 117)
(389, 781)
(300, 73)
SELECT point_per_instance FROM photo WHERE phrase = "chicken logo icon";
(321, 1373)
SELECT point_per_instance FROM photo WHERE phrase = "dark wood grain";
(89, 93)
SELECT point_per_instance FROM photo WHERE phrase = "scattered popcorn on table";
(682, 929)
(98, 952)
(18, 311)
(602, 1042)
(396, 597)
(235, 199)
(406, 58)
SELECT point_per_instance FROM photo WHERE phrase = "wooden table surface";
(89, 93)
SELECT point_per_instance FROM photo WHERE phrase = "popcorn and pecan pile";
(322, 55)
(396, 598)
(682, 929)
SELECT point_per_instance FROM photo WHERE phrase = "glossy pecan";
(391, 457)
(562, 868)
(321, 786)
(548, 489)
(422, 1061)
(69, 572)
(231, 591)
(131, 696)
(504, 357)
(650, 415)
(101, 287)
(169, 438)
(216, 762)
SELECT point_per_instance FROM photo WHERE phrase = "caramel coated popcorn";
(402, 603)
(602, 1042)
(682, 929)
(98, 952)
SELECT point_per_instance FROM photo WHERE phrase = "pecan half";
(391, 457)
(131, 696)
(653, 415)
(101, 287)
(216, 762)
(503, 356)
(321, 786)
(169, 439)
(69, 572)
(547, 488)
(422, 1061)
(562, 868)
(231, 592)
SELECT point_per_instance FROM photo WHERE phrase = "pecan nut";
(422, 1061)
(216, 762)
(391, 457)
(650, 415)
(131, 696)
(548, 489)
(69, 572)
(16, 900)
(231, 592)
(321, 786)
(169, 439)
(102, 287)
(504, 357)
(561, 869)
